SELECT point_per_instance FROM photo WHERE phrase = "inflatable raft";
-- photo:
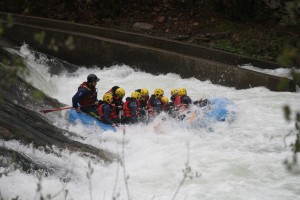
(80, 117)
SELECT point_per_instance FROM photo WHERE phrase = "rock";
(161, 19)
(181, 37)
(142, 26)
(220, 36)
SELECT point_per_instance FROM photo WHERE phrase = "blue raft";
(218, 109)
(75, 117)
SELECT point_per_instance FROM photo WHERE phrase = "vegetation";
(254, 28)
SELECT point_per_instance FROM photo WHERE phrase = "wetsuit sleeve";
(81, 93)
(105, 116)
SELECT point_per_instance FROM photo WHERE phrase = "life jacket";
(151, 109)
(91, 97)
(127, 110)
(150, 106)
(179, 105)
(143, 102)
(164, 106)
(100, 111)
(113, 112)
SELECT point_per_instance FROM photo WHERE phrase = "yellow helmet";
(136, 95)
(158, 92)
(144, 92)
(182, 92)
(107, 97)
(164, 100)
(120, 92)
(174, 91)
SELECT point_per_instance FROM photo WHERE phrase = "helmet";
(136, 95)
(144, 92)
(165, 100)
(158, 92)
(92, 78)
(120, 92)
(107, 97)
(182, 92)
(174, 91)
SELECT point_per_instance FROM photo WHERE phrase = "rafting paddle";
(65, 108)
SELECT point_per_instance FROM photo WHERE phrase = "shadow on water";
(21, 121)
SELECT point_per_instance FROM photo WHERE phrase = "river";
(239, 160)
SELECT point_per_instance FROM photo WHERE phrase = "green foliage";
(38, 95)
(283, 84)
(10, 21)
(9, 70)
(40, 37)
(246, 48)
(296, 145)
(69, 43)
(293, 13)
(290, 56)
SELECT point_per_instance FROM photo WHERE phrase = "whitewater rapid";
(238, 160)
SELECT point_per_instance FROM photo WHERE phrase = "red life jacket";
(113, 111)
(164, 105)
(178, 103)
(151, 110)
(138, 108)
(91, 97)
(100, 111)
(127, 110)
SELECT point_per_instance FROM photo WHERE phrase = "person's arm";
(79, 95)
(106, 113)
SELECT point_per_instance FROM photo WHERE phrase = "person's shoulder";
(105, 105)
(83, 89)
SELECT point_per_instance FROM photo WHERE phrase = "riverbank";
(263, 37)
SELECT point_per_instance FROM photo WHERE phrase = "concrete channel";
(89, 45)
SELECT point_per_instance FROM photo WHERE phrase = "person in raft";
(105, 110)
(85, 99)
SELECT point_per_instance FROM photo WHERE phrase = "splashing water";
(238, 160)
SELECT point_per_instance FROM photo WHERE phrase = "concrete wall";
(104, 47)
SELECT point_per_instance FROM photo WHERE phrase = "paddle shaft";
(65, 108)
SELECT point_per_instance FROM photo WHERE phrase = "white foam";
(242, 160)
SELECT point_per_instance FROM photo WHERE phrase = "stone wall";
(105, 47)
